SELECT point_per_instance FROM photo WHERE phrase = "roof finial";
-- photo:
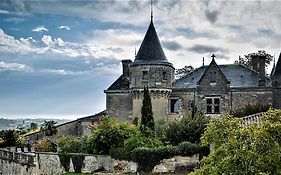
(203, 61)
(151, 10)
(213, 56)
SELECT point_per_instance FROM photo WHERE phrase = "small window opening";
(213, 77)
(175, 106)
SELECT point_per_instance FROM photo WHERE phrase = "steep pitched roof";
(122, 83)
(213, 62)
(151, 50)
(238, 75)
(277, 70)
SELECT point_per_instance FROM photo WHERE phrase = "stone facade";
(213, 89)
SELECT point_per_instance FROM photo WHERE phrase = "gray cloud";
(171, 45)
(212, 16)
(198, 48)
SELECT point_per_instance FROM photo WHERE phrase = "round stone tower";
(151, 68)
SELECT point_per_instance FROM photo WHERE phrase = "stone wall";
(159, 101)
(120, 105)
(160, 76)
(235, 98)
(12, 163)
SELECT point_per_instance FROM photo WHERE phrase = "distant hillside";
(25, 123)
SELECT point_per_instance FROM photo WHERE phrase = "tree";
(183, 71)
(49, 128)
(33, 126)
(147, 121)
(109, 134)
(252, 59)
(188, 129)
(10, 138)
(238, 149)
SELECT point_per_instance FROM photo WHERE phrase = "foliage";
(65, 161)
(160, 126)
(49, 128)
(187, 129)
(251, 60)
(147, 121)
(68, 144)
(140, 140)
(109, 134)
(183, 71)
(78, 162)
(147, 158)
(249, 110)
(10, 138)
(33, 126)
(45, 146)
(243, 150)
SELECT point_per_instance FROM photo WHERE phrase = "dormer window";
(213, 77)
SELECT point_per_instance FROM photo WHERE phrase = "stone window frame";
(213, 105)
(177, 99)
(164, 76)
(213, 77)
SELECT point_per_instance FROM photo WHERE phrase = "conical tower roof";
(151, 51)
(277, 70)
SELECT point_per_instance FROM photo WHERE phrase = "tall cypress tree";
(147, 121)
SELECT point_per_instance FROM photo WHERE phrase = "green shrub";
(249, 110)
(68, 144)
(45, 145)
(109, 134)
(10, 138)
(187, 129)
(139, 140)
(147, 158)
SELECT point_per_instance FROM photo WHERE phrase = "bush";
(139, 140)
(109, 134)
(10, 138)
(249, 110)
(254, 149)
(147, 158)
(68, 144)
(187, 129)
(45, 146)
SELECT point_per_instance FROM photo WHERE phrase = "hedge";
(147, 158)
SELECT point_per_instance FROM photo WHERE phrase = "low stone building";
(213, 89)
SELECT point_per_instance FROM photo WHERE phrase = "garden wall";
(12, 163)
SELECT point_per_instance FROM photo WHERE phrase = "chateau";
(213, 89)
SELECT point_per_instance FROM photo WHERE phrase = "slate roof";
(238, 75)
(122, 83)
(277, 70)
(151, 51)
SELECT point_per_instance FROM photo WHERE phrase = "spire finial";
(213, 56)
(151, 10)
(203, 61)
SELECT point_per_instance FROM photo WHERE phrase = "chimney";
(262, 81)
(125, 65)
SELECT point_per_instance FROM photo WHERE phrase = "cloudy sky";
(57, 57)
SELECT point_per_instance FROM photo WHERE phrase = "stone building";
(213, 89)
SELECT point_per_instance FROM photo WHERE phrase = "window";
(175, 105)
(213, 77)
(164, 75)
(213, 105)
(144, 75)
